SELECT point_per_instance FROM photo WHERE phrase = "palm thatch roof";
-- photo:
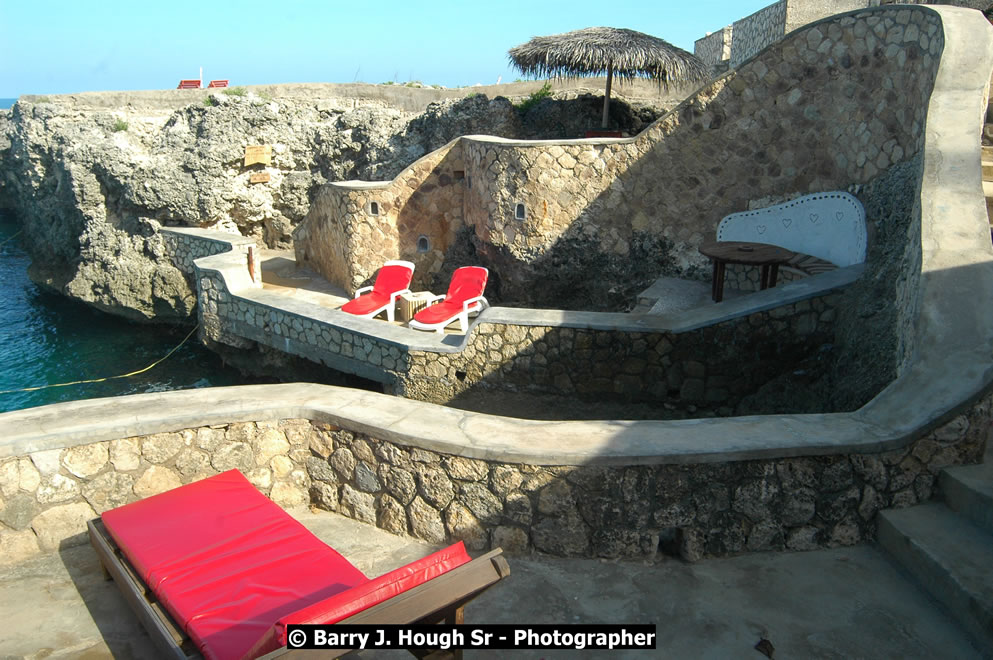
(599, 51)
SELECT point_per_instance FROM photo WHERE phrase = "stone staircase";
(948, 546)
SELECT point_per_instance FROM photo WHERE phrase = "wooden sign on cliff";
(255, 154)
(259, 177)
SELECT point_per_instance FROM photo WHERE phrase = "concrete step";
(987, 170)
(951, 558)
(987, 152)
(968, 491)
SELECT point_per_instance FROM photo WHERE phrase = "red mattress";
(228, 564)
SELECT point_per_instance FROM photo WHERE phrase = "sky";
(67, 46)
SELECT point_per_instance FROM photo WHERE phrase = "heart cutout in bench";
(787, 222)
(760, 228)
(814, 218)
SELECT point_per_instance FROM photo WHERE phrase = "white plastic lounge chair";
(465, 296)
(392, 281)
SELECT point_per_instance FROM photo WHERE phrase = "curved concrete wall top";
(949, 368)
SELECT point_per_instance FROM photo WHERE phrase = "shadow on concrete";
(121, 636)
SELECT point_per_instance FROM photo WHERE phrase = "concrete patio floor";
(843, 603)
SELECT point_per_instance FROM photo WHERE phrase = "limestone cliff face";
(92, 178)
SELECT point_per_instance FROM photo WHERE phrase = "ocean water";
(47, 339)
(6, 103)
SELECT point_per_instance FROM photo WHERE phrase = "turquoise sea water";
(47, 339)
(6, 103)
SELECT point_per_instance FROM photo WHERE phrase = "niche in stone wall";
(520, 213)
(373, 208)
(423, 243)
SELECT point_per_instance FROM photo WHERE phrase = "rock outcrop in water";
(92, 179)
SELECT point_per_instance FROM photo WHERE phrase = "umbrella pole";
(606, 96)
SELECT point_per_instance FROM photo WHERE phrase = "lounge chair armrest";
(433, 299)
(397, 294)
(359, 292)
(470, 301)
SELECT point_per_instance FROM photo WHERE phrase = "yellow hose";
(100, 380)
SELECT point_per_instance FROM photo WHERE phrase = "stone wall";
(714, 48)
(692, 511)
(238, 320)
(876, 328)
(753, 33)
(635, 511)
(354, 227)
(184, 246)
(802, 12)
(46, 497)
(703, 372)
(749, 35)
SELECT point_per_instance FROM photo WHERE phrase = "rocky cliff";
(92, 177)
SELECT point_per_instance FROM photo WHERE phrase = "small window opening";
(459, 174)
(468, 182)
(460, 375)
(519, 212)
(373, 208)
(423, 244)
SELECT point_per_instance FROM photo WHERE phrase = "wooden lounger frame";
(439, 600)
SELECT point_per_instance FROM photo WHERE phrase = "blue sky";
(64, 46)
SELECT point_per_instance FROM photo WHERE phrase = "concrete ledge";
(446, 430)
(210, 235)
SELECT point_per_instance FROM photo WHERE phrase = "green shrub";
(119, 125)
(265, 96)
(234, 91)
(388, 82)
(531, 101)
(210, 101)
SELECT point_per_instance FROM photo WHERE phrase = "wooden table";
(769, 257)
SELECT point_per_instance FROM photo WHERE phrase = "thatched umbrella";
(597, 51)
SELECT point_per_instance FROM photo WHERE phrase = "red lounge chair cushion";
(438, 313)
(392, 278)
(225, 561)
(467, 282)
(367, 303)
(345, 604)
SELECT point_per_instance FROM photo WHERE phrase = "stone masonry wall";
(753, 33)
(417, 218)
(239, 321)
(697, 373)
(802, 12)
(635, 511)
(693, 511)
(46, 497)
(184, 249)
(715, 47)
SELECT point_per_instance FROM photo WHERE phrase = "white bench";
(829, 226)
